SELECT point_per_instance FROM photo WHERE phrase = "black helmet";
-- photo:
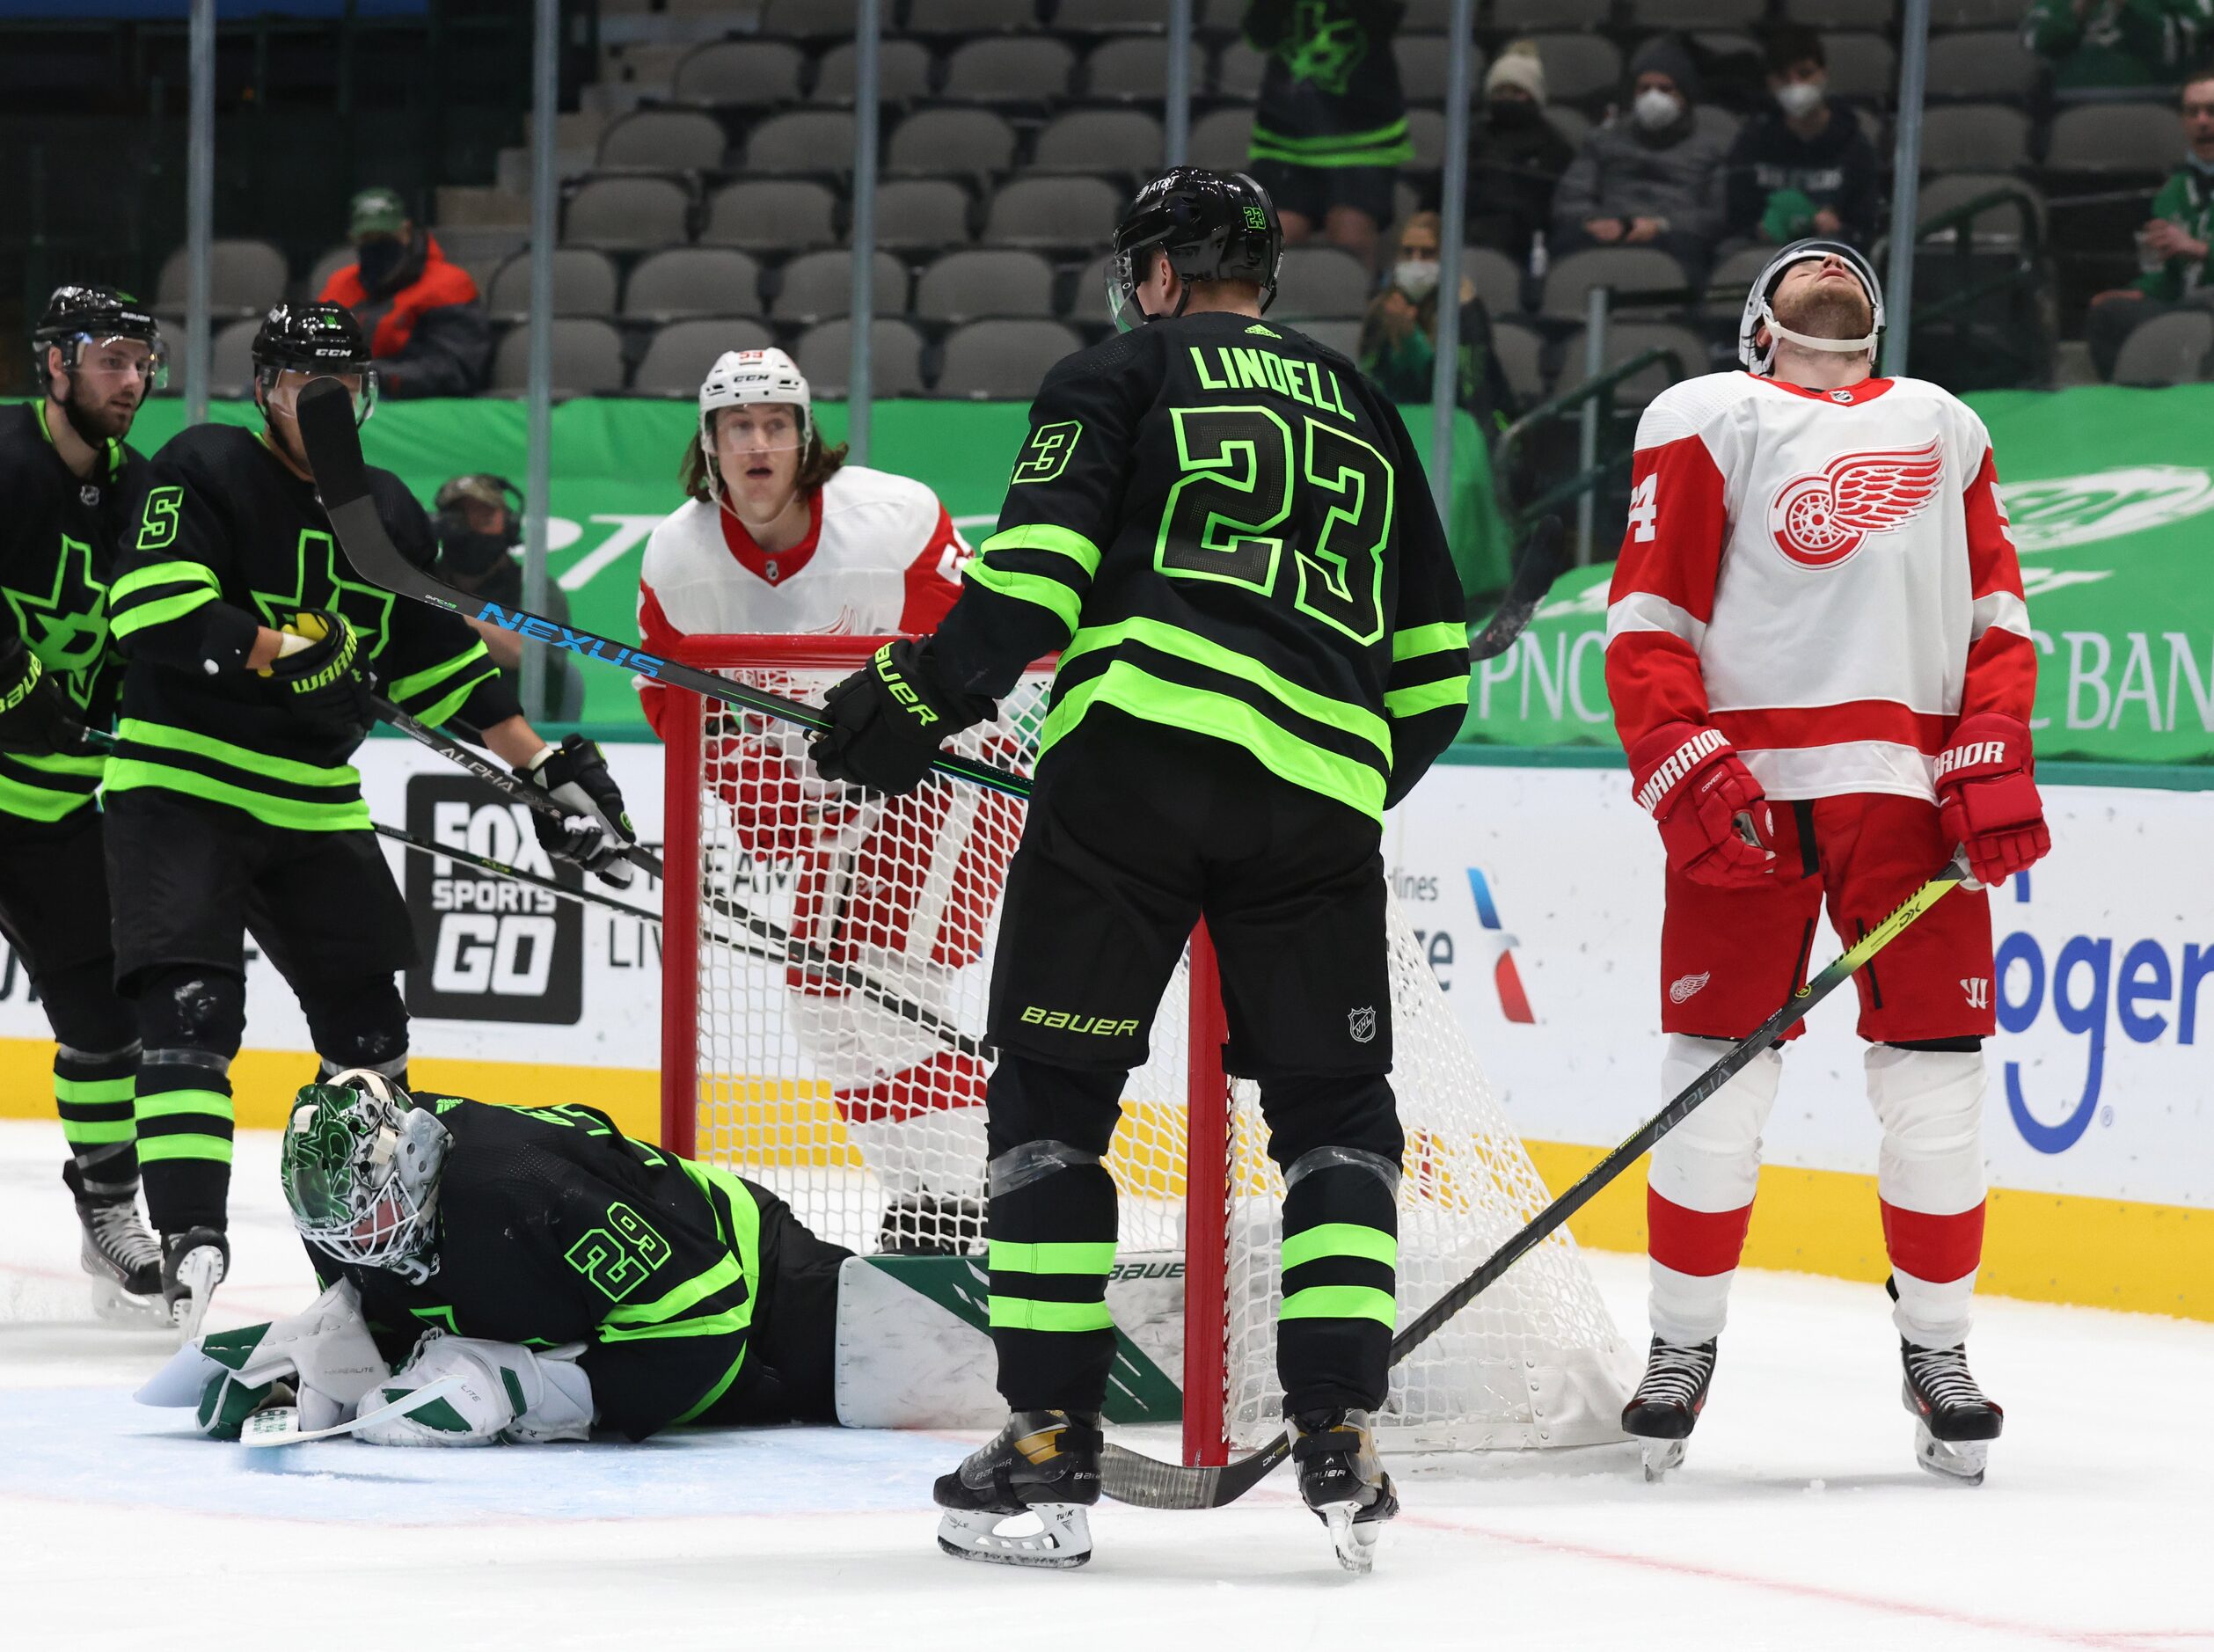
(317, 338)
(76, 316)
(1213, 226)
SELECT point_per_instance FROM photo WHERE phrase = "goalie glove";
(1713, 814)
(1987, 797)
(508, 1393)
(598, 827)
(323, 1359)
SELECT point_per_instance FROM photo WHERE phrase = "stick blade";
(1542, 556)
(1129, 1477)
(325, 412)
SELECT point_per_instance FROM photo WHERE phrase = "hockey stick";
(1128, 1477)
(1535, 570)
(500, 868)
(282, 1425)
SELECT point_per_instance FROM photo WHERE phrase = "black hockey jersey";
(1222, 526)
(1330, 95)
(554, 1227)
(225, 539)
(58, 533)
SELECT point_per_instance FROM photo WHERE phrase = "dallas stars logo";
(66, 627)
(1324, 49)
(329, 585)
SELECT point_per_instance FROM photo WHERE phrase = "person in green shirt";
(2096, 44)
(2176, 243)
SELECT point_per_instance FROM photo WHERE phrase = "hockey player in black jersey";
(64, 472)
(1224, 531)
(252, 647)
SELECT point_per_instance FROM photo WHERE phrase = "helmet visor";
(281, 388)
(121, 355)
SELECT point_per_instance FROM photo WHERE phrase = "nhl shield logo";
(1362, 1023)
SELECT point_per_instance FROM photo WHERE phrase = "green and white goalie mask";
(361, 1169)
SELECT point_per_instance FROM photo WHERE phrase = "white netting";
(852, 1081)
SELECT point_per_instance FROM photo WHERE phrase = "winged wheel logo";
(1820, 520)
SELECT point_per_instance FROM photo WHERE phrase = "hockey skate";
(925, 1224)
(1043, 1467)
(1666, 1406)
(121, 1254)
(1953, 1423)
(1342, 1481)
(193, 1263)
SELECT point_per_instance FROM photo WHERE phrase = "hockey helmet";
(360, 1163)
(744, 378)
(79, 316)
(1213, 226)
(317, 338)
(1757, 314)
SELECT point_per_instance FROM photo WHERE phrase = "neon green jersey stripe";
(1416, 641)
(722, 1324)
(125, 775)
(1052, 1258)
(1063, 603)
(1123, 685)
(1398, 155)
(1024, 1313)
(160, 612)
(61, 767)
(162, 574)
(171, 1104)
(440, 711)
(1341, 1301)
(1341, 1239)
(153, 1149)
(1374, 137)
(38, 802)
(407, 688)
(720, 1276)
(89, 1090)
(1040, 536)
(142, 732)
(1426, 696)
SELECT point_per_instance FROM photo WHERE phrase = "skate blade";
(200, 1273)
(1355, 1541)
(1660, 1457)
(1961, 1460)
(1062, 1541)
(112, 1304)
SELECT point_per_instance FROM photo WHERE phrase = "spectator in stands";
(1331, 129)
(2093, 44)
(427, 327)
(1804, 167)
(1650, 177)
(2174, 247)
(1398, 335)
(479, 529)
(1515, 156)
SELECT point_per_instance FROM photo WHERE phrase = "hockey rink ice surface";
(1800, 1520)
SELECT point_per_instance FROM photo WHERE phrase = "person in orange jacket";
(427, 328)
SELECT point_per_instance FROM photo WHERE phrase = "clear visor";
(121, 356)
(763, 427)
(281, 388)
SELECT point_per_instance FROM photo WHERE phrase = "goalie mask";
(359, 1167)
(1761, 359)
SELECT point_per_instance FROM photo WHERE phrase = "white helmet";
(741, 377)
(1760, 358)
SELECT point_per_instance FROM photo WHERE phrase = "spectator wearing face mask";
(2093, 45)
(1399, 334)
(2175, 248)
(427, 331)
(1515, 156)
(1650, 177)
(1805, 167)
(479, 528)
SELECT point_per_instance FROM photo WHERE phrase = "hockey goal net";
(826, 961)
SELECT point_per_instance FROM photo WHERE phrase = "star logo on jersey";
(66, 627)
(1819, 521)
(325, 581)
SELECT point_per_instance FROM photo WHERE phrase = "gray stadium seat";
(681, 353)
(1087, 299)
(626, 215)
(1009, 69)
(1002, 360)
(1843, 14)
(903, 72)
(1862, 65)
(1054, 212)
(970, 17)
(1571, 122)
(1321, 282)
(802, 141)
(588, 358)
(2116, 137)
(1239, 69)
(583, 285)
(1579, 66)
(1627, 269)
(230, 359)
(1551, 14)
(825, 355)
(1099, 140)
(1733, 278)
(244, 278)
(946, 141)
(693, 281)
(663, 140)
(1221, 140)
(1981, 137)
(1975, 14)
(984, 281)
(1999, 226)
(1428, 16)
(921, 212)
(752, 72)
(1521, 353)
(1497, 278)
(1426, 134)
(2170, 349)
(816, 285)
(1424, 65)
(1093, 17)
(1135, 66)
(331, 263)
(480, 249)
(771, 214)
(1697, 14)
(1344, 336)
(1626, 338)
(809, 19)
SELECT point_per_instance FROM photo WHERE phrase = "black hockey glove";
(36, 714)
(888, 718)
(328, 680)
(598, 827)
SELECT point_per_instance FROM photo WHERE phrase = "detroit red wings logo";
(1820, 521)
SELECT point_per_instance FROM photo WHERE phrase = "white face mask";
(1416, 277)
(1800, 99)
(1656, 109)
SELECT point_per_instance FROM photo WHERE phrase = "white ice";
(1798, 1521)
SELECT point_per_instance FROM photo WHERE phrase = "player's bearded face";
(110, 380)
(757, 450)
(1824, 299)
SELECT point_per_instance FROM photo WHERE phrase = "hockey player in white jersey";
(1822, 670)
(782, 536)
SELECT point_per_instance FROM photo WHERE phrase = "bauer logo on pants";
(492, 949)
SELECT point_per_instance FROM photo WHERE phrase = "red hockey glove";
(1712, 813)
(1987, 797)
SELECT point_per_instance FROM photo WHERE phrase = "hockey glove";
(889, 718)
(321, 1359)
(508, 1393)
(597, 828)
(36, 714)
(1987, 797)
(324, 676)
(1713, 814)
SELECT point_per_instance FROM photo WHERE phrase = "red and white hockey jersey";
(880, 557)
(1825, 576)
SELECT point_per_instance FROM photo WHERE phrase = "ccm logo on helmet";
(1678, 763)
(1969, 756)
(1818, 520)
